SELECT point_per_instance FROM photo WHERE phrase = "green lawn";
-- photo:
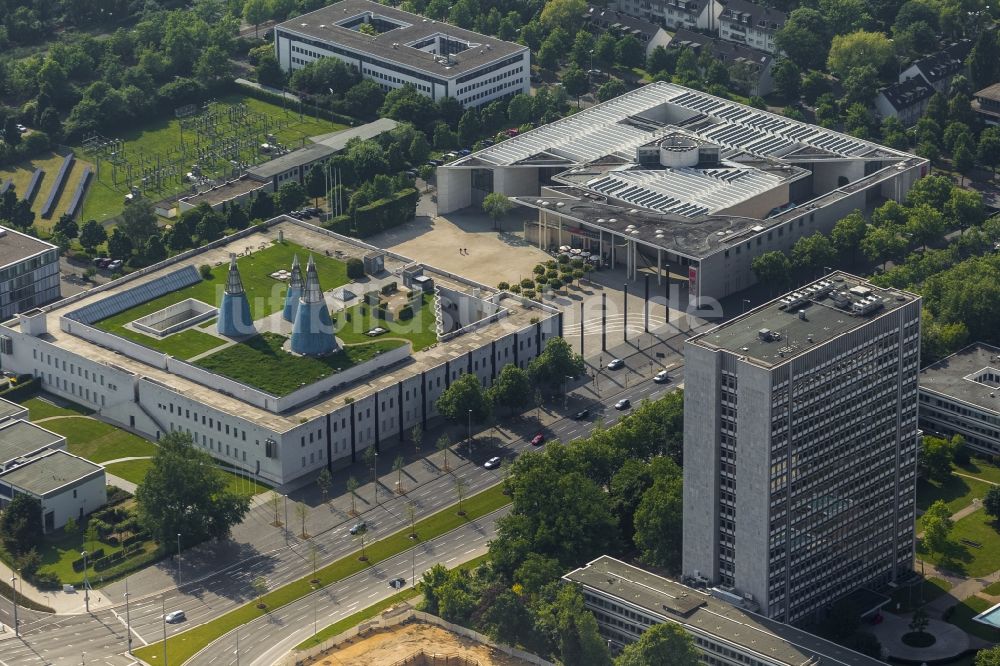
(968, 609)
(163, 138)
(183, 646)
(266, 295)
(98, 441)
(957, 492)
(43, 406)
(980, 468)
(992, 589)
(963, 558)
(261, 362)
(130, 470)
(911, 597)
(420, 330)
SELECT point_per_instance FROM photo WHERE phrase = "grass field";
(980, 468)
(261, 362)
(420, 330)
(163, 138)
(43, 406)
(135, 471)
(183, 646)
(992, 589)
(957, 492)
(968, 609)
(266, 295)
(98, 441)
(966, 559)
(21, 175)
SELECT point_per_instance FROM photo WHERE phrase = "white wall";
(69, 502)
(454, 189)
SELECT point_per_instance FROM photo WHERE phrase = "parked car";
(435, 162)
(662, 377)
(378, 330)
(492, 463)
(615, 364)
(359, 527)
(174, 617)
(464, 152)
(624, 403)
(538, 440)
(581, 415)
(21, 128)
(487, 142)
(115, 265)
(411, 173)
(97, 261)
(397, 583)
(103, 262)
(314, 211)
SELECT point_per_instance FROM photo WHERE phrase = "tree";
(937, 525)
(804, 38)
(665, 644)
(236, 217)
(925, 225)
(661, 61)
(261, 206)
(812, 253)
(184, 493)
(919, 621)
(138, 221)
(848, 233)
(658, 528)
(416, 436)
(610, 90)
(66, 226)
(315, 183)
(119, 245)
(861, 86)
(290, 196)
(936, 456)
(556, 362)
(154, 250)
(787, 80)
(988, 656)
(464, 395)
(565, 14)
(576, 634)
(605, 48)
(991, 503)
(496, 205)
(269, 72)
(984, 60)
(442, 445)
(858, 49)
(352, 488)
(988, 150)
(460, 489)
(965, 208)
(575, 81)
(629, 52)
(21, 524)
(302, 511)
(512, 389)
(772, 268)
(212, 67)
(259, 587)
(397, 466)
(934, 191)
(323, 481)
(420, 148)
(583, 44)
(92, 235)
(255, 12)
(964, 161)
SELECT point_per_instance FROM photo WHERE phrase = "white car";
(492, 463)
(662, 377)
(615, 364)
(623, 404)
(174, 617)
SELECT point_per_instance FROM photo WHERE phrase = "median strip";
(185, 645)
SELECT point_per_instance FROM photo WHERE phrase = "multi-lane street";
(101, 637)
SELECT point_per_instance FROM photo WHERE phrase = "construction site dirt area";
(403, 644)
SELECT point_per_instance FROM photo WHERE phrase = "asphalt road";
(100, 637)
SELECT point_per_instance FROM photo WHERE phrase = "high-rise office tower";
(800, 446)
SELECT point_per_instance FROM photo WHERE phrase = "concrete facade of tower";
(312, 332)
(800, 447)
(235, 320)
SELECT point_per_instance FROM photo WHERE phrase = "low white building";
(11, 411)
(67, 486)
(939, 68)
(394, 48)
(958, 396)
(620, 24)
(905, 101)
(29, 272)
(21, 441)
(690, 14)
(751, 24)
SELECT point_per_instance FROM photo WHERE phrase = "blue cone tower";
(312, 332)
(234, 313)
(294, 292)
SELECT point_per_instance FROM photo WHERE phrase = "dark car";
(359, 527)
(624, 403)
(538, 440)
(582, 414)
(397, 583)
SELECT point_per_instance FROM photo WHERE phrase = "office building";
(394, 48)
(665, 176)
(800, 446)
(29, 272)
(727, 630)
(958, 396)
(133, 374)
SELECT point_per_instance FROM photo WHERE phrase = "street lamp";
(128, 618)
(566, 392)
(13, 584)
(375, 475)
(285, 502)
(86, 585)
(746, 302)
(178, 559)
(163, 615)
(470, 431)
(237, 651)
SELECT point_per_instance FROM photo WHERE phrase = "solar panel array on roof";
(129, 298)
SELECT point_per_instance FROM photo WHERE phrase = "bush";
(355, 268)
(538, 270)
(527, 283)
(116, 495)
(22, 391)
(515, 289)
(206, 271)
(45, 581)
(405, 313)
(503, 286)
(529, 293)
(563, 259)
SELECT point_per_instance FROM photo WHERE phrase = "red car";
(538, 440)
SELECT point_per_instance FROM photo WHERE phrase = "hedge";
(36, 180)
(307, 108)
(26, 388)
(57, 186)
(377, 216)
